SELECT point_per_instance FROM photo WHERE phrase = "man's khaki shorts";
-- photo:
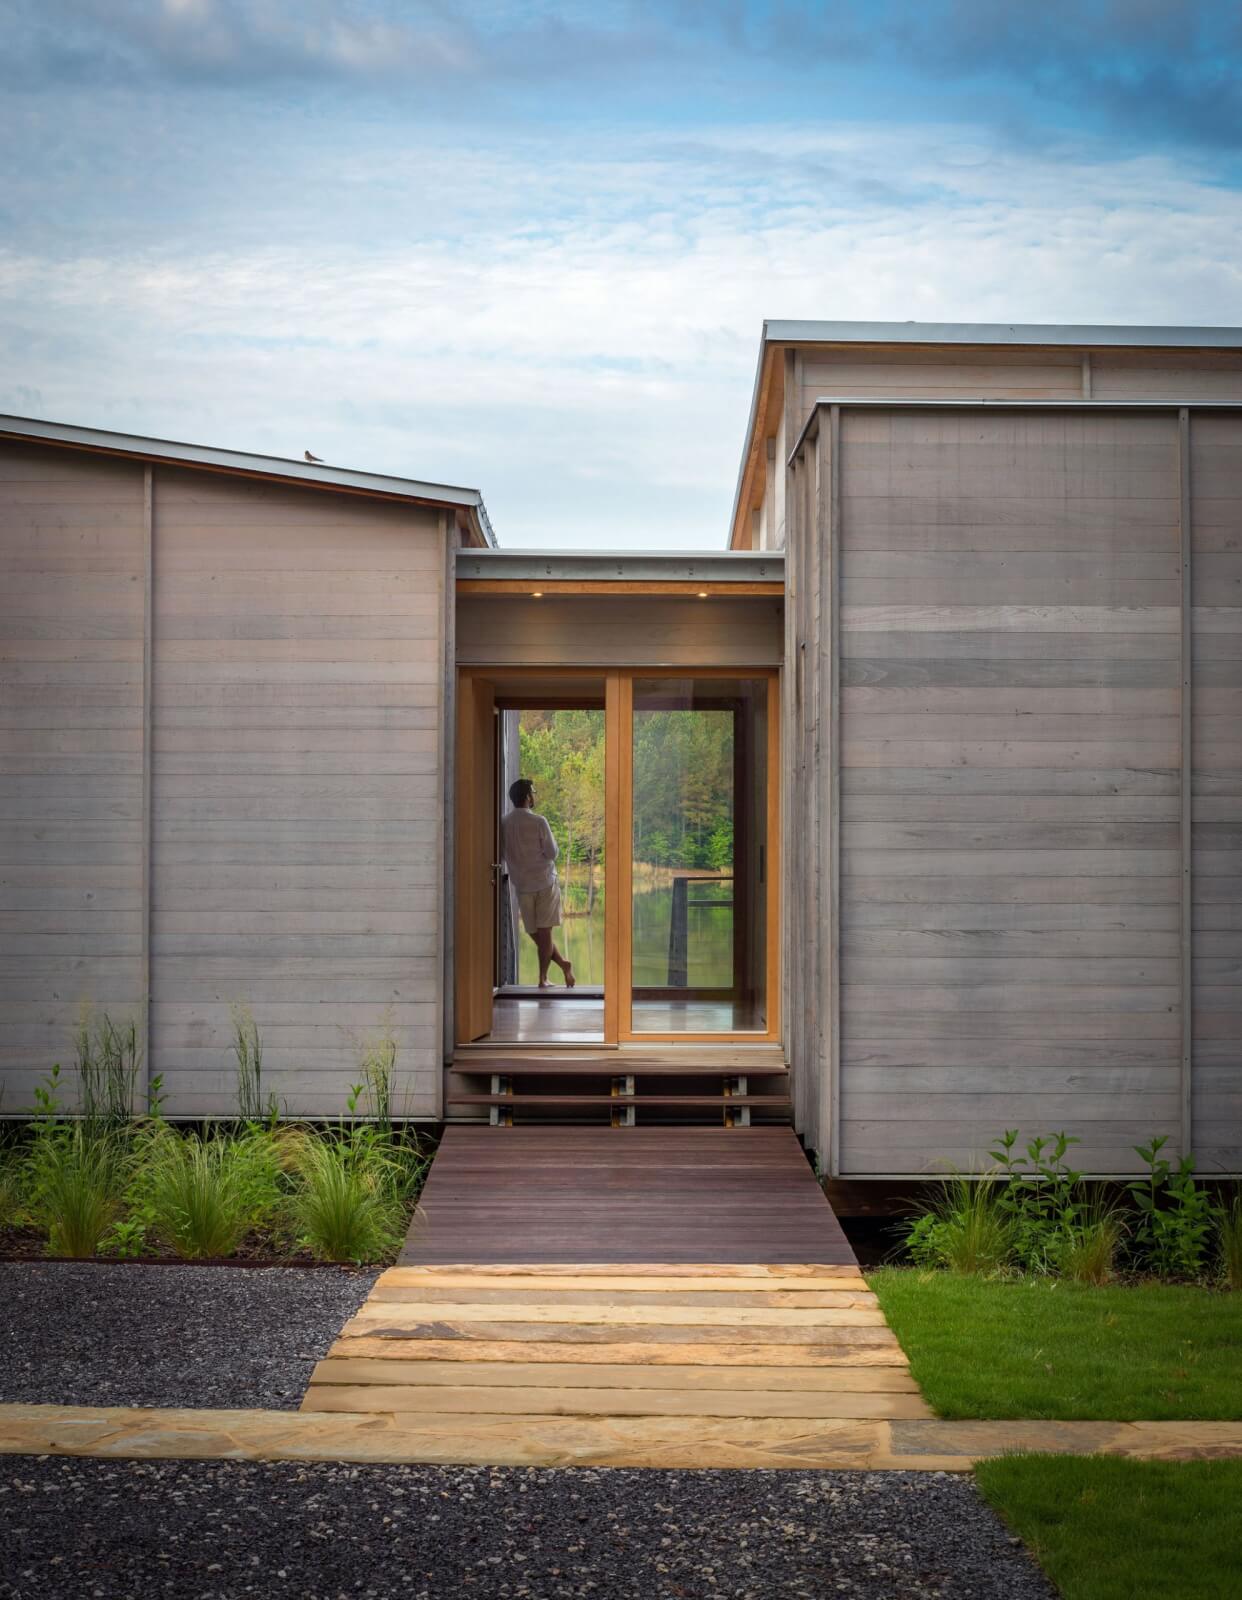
(541, 909)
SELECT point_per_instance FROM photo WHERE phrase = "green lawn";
(1042, 1348)
(1104, 1528)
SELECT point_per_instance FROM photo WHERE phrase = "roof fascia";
(241, 463)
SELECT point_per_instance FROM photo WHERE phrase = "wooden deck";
(567, 1195)
(623, 1296)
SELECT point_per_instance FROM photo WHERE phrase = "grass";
(74, 1186)
(1039, 1348)
(346, 1208)
(1104, 1528)
(204, 1195)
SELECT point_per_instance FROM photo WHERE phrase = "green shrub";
(345, 1207)
(1173, 1225)
(1229, 1240)
(203, 1195)
(967, 1228)
(1041, 1197)
(74, 1182)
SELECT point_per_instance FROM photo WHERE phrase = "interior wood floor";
(563, 1019)
(568, 1195)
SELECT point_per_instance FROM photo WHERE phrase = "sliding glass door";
(697, 834)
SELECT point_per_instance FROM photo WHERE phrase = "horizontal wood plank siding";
(646, 630)
(1010, 791)
(297, 789)
(1216, 631)
(71, 734)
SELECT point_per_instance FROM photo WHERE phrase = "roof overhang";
(467, 504)
(620, 572)
(781, 335)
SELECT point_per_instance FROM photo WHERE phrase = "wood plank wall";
(1216, 575)
(1010, 784)
(71, 726)
(297, 789)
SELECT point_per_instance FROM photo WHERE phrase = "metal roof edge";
(1015, 333)
(750, 427)
(310, 473)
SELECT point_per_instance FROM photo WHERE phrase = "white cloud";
(575, 331)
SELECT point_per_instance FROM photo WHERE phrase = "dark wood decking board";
(563, 1195)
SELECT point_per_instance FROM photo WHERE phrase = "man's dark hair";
(521, 791)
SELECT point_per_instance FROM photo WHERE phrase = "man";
(530, 853)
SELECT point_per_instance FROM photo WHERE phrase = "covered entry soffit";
(621, 572)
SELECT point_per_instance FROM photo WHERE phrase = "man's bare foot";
(544, 984)
(567, 967)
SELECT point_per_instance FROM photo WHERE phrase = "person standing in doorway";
(530, 853)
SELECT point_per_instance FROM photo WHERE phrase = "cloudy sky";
(528, 244)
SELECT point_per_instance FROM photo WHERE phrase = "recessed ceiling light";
(702, 594)
(536, 594)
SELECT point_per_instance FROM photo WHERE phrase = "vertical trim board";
(1187, 784)
(148, 664)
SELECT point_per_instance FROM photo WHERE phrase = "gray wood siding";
(1216, 571)
(297, 788)
(1010, 784)
(72, 562)
(636, 630)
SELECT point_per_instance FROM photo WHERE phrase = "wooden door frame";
(618, 836)
(622, 911)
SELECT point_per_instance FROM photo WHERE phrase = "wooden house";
(974, 654)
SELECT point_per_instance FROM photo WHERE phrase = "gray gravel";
(77, 1333)
(214, 1530)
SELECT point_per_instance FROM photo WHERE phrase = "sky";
(529, 246)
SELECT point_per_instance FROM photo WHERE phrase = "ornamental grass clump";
(346, 1207)
(1088, 1251)
(74, 1181)
(1229, 1241)
(966, 1230)
(204, 1195)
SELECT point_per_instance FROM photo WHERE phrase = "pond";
(709, 938)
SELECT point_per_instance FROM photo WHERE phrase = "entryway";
(661, 787)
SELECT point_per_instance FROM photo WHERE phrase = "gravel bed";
(202, 1530)
(80, 1333)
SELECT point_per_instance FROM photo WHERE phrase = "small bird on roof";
(310, 457)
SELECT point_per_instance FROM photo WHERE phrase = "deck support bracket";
(624, 1116)
(735, 1116)
(501, 1116)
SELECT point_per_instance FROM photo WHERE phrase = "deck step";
(617, 1067)
(648, 1101)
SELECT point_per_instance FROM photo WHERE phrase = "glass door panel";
(699, 846)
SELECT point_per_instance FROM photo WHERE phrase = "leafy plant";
(967, 1229)
(345, 1207)
(74, 1184)
(1174, 1222)
(1229, 1240)
(108, 1056)
(248, 1049)
(1042, 1198)
(127, 1238)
